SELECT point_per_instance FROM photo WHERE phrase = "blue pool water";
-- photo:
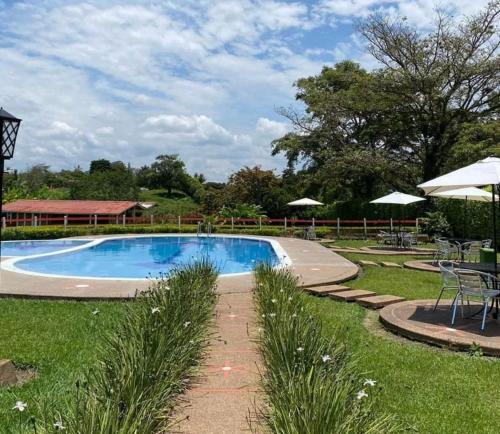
(28, 248)
(150, 256)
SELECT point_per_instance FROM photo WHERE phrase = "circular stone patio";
(416, 320)
(312, 263)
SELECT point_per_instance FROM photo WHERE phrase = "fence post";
(391, 225)
(232, 223)
(285, 223)
(35, 219)
(65, 222)
(4, 222)
(364, 228)
(416, 226)
(152, 218)
(179, 222)
(124, 219)
(338, 227)
(260, 222)
(313, 222)
(95, 220)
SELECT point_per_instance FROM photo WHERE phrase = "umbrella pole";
(465, 218)
(495, 248)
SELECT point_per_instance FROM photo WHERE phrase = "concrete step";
(350, 295)
(391, 264)
(326, 289)
(368, 263)
(379, 301)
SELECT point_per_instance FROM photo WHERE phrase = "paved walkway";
(224, 398)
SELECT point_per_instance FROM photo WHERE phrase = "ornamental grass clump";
(310, 383)
(148, 359)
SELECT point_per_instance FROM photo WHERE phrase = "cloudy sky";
(128, 80)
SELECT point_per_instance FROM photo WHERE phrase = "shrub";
(311, 384)
(147, 361)
(435, 224)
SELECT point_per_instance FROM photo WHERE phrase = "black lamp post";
(9, 127)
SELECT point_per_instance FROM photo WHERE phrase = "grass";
(57, 339)
(430, 390)
(178, 205)
(310, 382)
(106, 367)
(369, 243)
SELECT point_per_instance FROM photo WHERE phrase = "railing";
(336, 226)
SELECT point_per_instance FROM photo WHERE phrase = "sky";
(129, 80)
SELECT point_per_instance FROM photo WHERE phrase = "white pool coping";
(10, 263)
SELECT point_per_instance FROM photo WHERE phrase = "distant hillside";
(178, 204)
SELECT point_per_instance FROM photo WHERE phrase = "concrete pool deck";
(312, 263)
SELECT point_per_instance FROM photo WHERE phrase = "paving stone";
(365, 263)
(390, 264)
(325, 290)
(379, 301)
(350, 295)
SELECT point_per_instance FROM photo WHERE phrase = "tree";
(252, 185)
(169, 172)
(445, 79)
(117, 183)
(101, 165)
(365, 132)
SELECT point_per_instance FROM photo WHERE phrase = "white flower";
(274, 300)
(300, 349)
(326, 358)
(272, 315)
(95, 312)
(282, 290)
(294, 315)
(191, 341)
(59, 425)
(369, 382)
(20, 406)
(289, 298)
(361, 394)
(263, 315)
(155, 310)
(187, 323)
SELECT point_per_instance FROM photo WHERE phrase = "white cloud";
(129, 79)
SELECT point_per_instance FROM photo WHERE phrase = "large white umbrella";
(466, 193)
(304, 202)
(483, 172)
(398, 198)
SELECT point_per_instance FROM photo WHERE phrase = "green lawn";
(178, 204)
(431, 390)
(56, 338)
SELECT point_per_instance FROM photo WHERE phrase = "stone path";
(224, 398)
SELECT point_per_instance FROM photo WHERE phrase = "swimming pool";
(37, 247)
(150, 256)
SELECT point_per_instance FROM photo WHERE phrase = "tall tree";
(445, 79)
(169, 172)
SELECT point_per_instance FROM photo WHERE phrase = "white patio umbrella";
(305, 202)
(398, 198)
(483, 172)
(466, 194)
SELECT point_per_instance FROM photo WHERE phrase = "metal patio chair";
(486, 244)
(470, 250)
(449, 280)
(445, 250)
(475, 284)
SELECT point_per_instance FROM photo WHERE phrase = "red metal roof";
(91, 207)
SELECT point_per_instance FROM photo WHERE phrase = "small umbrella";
(467, 193)
(483, 172)
(304, 202)
(398, 198)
